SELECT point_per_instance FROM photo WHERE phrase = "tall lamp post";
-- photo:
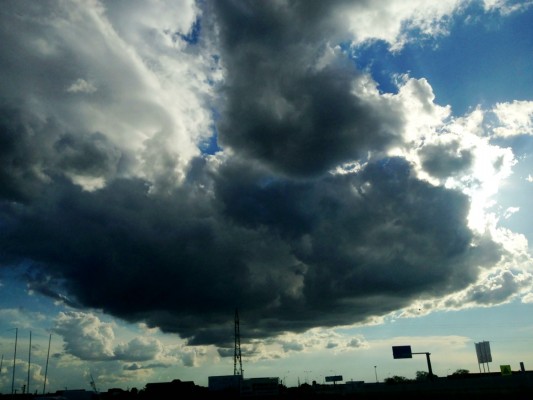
(376, 372)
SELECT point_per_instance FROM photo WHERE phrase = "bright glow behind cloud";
(515, 118)
(128, 79)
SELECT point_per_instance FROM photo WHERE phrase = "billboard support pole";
(405, 352)
(430, 370)
(429, 366)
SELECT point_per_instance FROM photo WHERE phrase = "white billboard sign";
(483, 352)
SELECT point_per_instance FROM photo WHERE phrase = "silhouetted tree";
(461, 372)
(396, 379)
(423, 375)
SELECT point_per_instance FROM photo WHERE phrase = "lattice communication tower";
(237, 358)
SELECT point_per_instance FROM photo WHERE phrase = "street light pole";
(376, 372)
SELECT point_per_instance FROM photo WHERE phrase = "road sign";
(506, 370)
(402, 352)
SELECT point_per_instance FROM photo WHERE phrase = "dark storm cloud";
(43, 283)
(366, 244)
(370, 241)
(444, 160)
(90, 155)
(238, 230)
(21, 149)
(33, 150)
(281, 107)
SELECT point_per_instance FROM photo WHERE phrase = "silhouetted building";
(176, 388)
(77, 394)
(259, 387)
(225, 383)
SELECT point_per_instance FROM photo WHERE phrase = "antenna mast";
(237, 359)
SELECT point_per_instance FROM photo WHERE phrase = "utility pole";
(46, 369)
(29, 365)
(14, 360)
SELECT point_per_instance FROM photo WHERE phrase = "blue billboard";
(402, 352)
(334, 378)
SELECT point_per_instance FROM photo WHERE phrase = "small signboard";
(402, 352)
(334, 378)
(506, 370)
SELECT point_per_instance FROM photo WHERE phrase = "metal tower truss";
(237, 358)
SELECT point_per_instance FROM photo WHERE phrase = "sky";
(349, 175)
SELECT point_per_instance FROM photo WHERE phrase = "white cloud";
(21, 318)
(499, 288)
(510, 211)
(139, 349)
(422, 115)
(528, 298)
(513, 279)
(515, 118)
(391, 20)
(317, 339)
(292, 345)
(357, 342)
(85, 335)
(36, 374)
(191, 357)
(506, 7)
(81, 86)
